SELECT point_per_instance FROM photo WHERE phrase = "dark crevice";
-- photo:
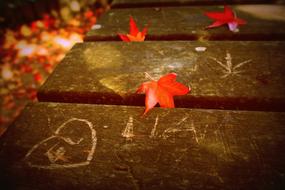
(186, 37)
(204, 102)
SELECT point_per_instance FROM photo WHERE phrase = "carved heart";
(72, 145)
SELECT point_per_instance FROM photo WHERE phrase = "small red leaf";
(134, 35)
(162, 91)
(227, 17)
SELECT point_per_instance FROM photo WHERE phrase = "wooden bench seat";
(230, 75)
(73, 146)
(188, 23)
(161, 3)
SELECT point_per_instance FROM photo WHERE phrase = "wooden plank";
(230, 75)
(161, 3)
(189, 23)
(72, 146)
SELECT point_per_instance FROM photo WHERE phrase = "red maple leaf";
(227, 17)
(162, 91)
(135, 35)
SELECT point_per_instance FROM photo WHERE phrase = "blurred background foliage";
(34, 37)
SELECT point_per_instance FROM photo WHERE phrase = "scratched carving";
(175, 149)
(153, 132)
(72, 145)
(128, 132)
(172, 131)
(228, 68)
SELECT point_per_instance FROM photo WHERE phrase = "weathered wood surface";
(189, 23)
(72, 146)
(231, 75)
(161, 3)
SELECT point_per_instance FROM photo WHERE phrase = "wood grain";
(188, 23)
(224, 75)
(168, 149)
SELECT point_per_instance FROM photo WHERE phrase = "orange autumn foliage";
(162, 91)
(134, 35)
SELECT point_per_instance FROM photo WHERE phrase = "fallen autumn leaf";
(162, 91)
